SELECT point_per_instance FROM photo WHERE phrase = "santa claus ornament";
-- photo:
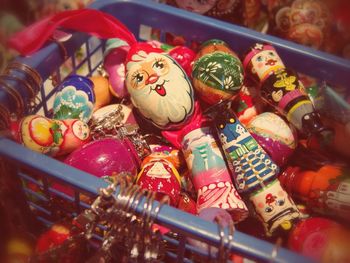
(158, 86)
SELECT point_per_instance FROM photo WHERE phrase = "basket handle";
(93, 22)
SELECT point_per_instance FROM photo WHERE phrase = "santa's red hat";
(139, 52)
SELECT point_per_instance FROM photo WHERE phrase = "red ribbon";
(89, 21)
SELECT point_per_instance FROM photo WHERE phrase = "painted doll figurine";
(285, 92)
(275, 208)
(158, 174)
(210, 175)
(252, 168)
(208, 171)
(52, 137)
(261, 61)
(158, 86)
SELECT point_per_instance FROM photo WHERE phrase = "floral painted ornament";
(218, 74)
(159, 88)
(52, 137)
(74, 99)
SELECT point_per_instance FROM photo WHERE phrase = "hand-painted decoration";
(274, 136)
(200, 7)
(274, 208)
(113, 62)
(217, 72)
(252, 168)
(159, 175)
(74, 99)
(321, 240)
(159, 87)
(210, 175)
(283, 90)
(52, 137)
(261, 61)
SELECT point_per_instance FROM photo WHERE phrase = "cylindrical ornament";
(274, 208)
(261, 61)
(285, 92)
(158, 86)
(210, 175)
(252, 168)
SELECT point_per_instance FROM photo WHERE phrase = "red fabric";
(197, 120)
(90, 21)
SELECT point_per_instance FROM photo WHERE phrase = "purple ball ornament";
(105, 157)
(274, 135)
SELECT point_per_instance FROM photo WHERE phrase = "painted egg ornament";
(159, 88)
(74, 99)
(113, 63)
(184, 56)
(105, 157)
(217, 74)
(260, 61)
(274, 135)
(102, 91)
(159, 175)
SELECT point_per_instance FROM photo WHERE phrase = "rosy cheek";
(280, 193)
(261, 205)
(260, 65)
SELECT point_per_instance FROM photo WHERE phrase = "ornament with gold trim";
(217, 72)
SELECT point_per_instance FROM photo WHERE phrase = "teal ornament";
(74, 99)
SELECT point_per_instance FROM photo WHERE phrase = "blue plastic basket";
(40, 170)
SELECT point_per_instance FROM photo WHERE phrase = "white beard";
(174, 107)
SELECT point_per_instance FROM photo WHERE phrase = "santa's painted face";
(264, 62)
(160, 89)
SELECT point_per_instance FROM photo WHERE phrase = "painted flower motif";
(228, 82)
(71, 103)
(211, 68)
